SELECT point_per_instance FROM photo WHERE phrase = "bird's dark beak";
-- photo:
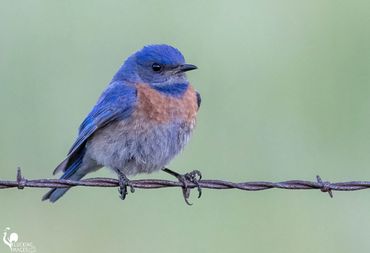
(186, 67)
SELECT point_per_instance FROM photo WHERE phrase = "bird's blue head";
(157, 65)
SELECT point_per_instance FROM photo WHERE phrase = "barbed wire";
(324, 186)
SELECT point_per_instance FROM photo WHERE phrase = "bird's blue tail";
(71, 173)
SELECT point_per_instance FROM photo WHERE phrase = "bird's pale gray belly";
(132, 146)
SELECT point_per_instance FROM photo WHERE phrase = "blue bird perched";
(142, 120)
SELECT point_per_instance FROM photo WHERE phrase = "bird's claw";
(123, 183)
(193, 177)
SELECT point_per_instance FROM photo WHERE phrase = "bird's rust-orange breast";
(162, 108)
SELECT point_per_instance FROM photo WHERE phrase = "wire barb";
(325, 186)
(20, 180)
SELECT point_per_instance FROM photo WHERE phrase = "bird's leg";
(193, 177)
(123, 182)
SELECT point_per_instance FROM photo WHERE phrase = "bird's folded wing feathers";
(117, 102)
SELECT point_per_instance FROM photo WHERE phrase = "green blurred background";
(285, 88)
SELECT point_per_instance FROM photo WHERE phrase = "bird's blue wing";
(116, 103)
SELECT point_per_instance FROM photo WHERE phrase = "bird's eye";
(156, 67)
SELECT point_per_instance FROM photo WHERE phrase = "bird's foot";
(124, 182)
(193, 177)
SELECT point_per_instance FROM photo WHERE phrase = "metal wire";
(324, 186)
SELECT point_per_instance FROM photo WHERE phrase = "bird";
(142, 120)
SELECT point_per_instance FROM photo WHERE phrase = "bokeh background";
(286, 95)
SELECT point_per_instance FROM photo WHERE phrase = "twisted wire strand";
(324, 186)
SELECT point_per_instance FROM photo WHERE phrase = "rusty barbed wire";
(324, 186)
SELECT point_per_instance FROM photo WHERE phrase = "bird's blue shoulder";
(116, 102)
(199, 99)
